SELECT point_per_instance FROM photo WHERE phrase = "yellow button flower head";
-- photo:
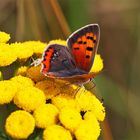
(20, 124)
(7, 56)
(53, 87)
(56, 132)
(66, 88)
(4, 37)
(7, 91)
(90, 116)
(22, 82)
(88, 130)
(98, 64)
(58, 41)
(70, 118)
(87, 101)
(22, 50)
(49, 87)
(35, 74)
(37, 46)
(29, 98)
(45, 115)
(61, 101)
(22, 70)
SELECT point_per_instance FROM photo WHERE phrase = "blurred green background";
(119, 46)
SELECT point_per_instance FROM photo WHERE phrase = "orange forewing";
(84, 50)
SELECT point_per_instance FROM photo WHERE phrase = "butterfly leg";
(76, 91)
(90, 85)
(80, 89)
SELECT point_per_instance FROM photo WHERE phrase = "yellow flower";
(49, 87)
(88, 130)
(20, 124)
(4, 37)
(29, 98)
(70, 118)
(61, 101)
(22, 82)
(88, 102)
(37, 46)
(7, 55)
(45, 115)
(56, 132)
(22, 50)
(53, 87)
(66, 88)
(22, 70)
(35, 74)
(58, 41)
(90, 116)
(7, 91)
(98, 64)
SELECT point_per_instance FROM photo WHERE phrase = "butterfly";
(74, 61)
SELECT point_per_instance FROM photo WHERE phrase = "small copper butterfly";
(74, 61)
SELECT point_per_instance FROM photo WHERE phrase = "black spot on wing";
(83, 31)
(80, 42)
(87, 56)
(94, 41)
(89, 48)
(76, 48)
(90, 37)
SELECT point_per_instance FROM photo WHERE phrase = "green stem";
(1, 76)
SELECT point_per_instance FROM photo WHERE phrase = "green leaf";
(37, 134)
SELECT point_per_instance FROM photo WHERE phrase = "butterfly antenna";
(35, 62)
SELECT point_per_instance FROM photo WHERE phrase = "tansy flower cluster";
(18, 51)
(60, 110)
